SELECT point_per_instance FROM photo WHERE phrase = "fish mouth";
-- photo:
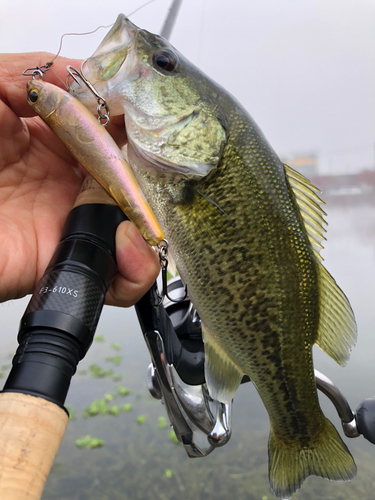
(102, 69)
(111, 53)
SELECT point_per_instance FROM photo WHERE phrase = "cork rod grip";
(31, 430)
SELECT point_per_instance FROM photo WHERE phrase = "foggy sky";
(305, 70)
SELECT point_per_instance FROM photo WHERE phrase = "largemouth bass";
(245, 231)
(93, 147)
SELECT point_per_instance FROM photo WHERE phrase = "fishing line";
(50, 63)
(78, 34)
(141, 7)
(93, 31)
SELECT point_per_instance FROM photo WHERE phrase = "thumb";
(138, 267)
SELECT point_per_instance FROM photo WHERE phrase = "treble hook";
(163, 259)
(78, 76)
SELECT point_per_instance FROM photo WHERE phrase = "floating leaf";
(99, 338)
(124, 391)
(89, 442)
(99, 406)
(97, 372)
(168, 473)
(116, 347)
(141, 419)
(162, 423)
(114, 410)
(127, 407)
(173, 437)
(114, 359)
(71, 412)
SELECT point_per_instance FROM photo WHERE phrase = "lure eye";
(166, 61)
(33, 96)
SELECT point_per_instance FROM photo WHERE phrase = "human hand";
(39, 182)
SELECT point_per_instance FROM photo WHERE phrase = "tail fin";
(290, 465)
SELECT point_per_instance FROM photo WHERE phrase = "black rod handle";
(59, 323)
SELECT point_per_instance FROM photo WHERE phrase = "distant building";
(306, 164)
(346, 184)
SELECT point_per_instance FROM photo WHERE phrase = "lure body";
(94, 148)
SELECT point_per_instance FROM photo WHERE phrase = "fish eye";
(33, 96)
(166, 61)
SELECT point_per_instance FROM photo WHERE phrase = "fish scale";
(245, 233)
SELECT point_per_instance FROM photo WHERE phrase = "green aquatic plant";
(97, 372)
(117, 377)
(114, 359)
(89, 442)
(124, 391)
(141, 419)
(169, 275)
(98, 406)
(72, 415)
(99, 338)
(173, 437)
(162, 423)
(113, 410)
(116, 347)
(1, 374)
(168, 473)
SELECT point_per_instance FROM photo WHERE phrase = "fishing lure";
(94, 148)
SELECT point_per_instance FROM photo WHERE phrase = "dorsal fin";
(337, 330)
(309, 204)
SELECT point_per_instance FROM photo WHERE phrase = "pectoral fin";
(222, 376)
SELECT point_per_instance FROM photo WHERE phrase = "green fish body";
(245, 233)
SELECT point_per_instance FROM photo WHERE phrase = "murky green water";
(140, 461)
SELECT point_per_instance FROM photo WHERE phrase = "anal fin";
(222, 375)
(337, 332)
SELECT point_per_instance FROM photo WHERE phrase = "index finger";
(13, 82)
